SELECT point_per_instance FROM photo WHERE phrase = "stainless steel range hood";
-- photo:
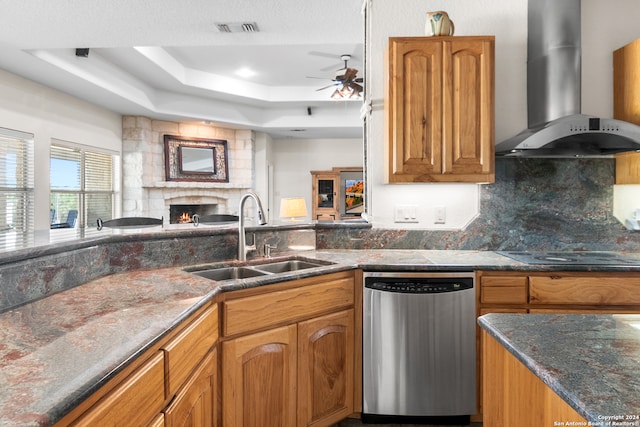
(556, 127)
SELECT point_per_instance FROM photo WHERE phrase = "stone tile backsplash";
(534, 204)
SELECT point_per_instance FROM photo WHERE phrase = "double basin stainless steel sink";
(256, 270)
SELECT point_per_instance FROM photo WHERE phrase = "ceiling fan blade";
(326, 87)
(350, 74)
(327, 55)
(323, 54)
(356, 90)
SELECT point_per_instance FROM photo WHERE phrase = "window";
(16, 190)
(83, 189)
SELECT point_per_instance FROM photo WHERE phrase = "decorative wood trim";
(172, 159)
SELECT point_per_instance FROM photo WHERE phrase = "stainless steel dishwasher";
(419, 347)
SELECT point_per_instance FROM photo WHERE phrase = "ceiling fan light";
(337, 94)
(356, 90)
(346, 91)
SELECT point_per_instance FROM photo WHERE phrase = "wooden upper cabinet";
(440, 109)
(626, 105)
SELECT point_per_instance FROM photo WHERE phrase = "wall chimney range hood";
(556, 127)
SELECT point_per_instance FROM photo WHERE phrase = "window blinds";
(82, 182)
(16, 189)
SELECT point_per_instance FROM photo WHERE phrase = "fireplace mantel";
(194, 185)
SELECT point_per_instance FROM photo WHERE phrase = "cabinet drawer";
(593, 290)
(186, 350)
(503, 289)
(243, 315)
(137, 401)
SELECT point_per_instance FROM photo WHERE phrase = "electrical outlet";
(406, 213)
(440, 215)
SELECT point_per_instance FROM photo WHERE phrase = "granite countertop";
(57, 351)
(590, 360)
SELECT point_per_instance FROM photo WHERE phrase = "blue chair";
(72, 217)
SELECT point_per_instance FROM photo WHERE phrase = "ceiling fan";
(345, 81)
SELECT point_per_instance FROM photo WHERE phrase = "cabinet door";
(194, 405)
(626, 105)
(512, 390)
(439, 109)
(325, 369)
(468, 144)
(188, 348)
(259, 379)
(414, 109)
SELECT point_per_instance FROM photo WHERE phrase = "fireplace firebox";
(183, 214)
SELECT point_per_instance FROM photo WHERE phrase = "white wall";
(30, 107)
(294, 159)
(263, 172)
(607, 25)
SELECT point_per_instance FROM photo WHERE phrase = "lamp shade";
(292, 208)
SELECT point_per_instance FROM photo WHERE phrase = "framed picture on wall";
(351, 191)
(353, 196)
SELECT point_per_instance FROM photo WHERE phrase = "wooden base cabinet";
(548, 293)
(325, 369)
(136, 401)
(298, 368)
(195, 404)
(294, 374)
(173, 384)
(514, 396)
(259, 379)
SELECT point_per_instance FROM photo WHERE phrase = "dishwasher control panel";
(418, 283)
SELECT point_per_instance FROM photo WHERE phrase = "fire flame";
(184, 218)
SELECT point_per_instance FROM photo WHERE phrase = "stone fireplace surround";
(146, 192)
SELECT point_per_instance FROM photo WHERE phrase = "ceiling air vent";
(223, 28)
(237, 27)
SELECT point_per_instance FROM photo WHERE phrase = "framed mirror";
(195, 159)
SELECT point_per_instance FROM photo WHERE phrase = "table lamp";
(292, 208)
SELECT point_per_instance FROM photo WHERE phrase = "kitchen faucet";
(242, 243)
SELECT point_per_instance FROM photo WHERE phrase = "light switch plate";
(440, 215)
(406, 213)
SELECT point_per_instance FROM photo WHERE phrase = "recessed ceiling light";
(245, 72)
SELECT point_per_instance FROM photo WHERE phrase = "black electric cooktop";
(572, 258)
